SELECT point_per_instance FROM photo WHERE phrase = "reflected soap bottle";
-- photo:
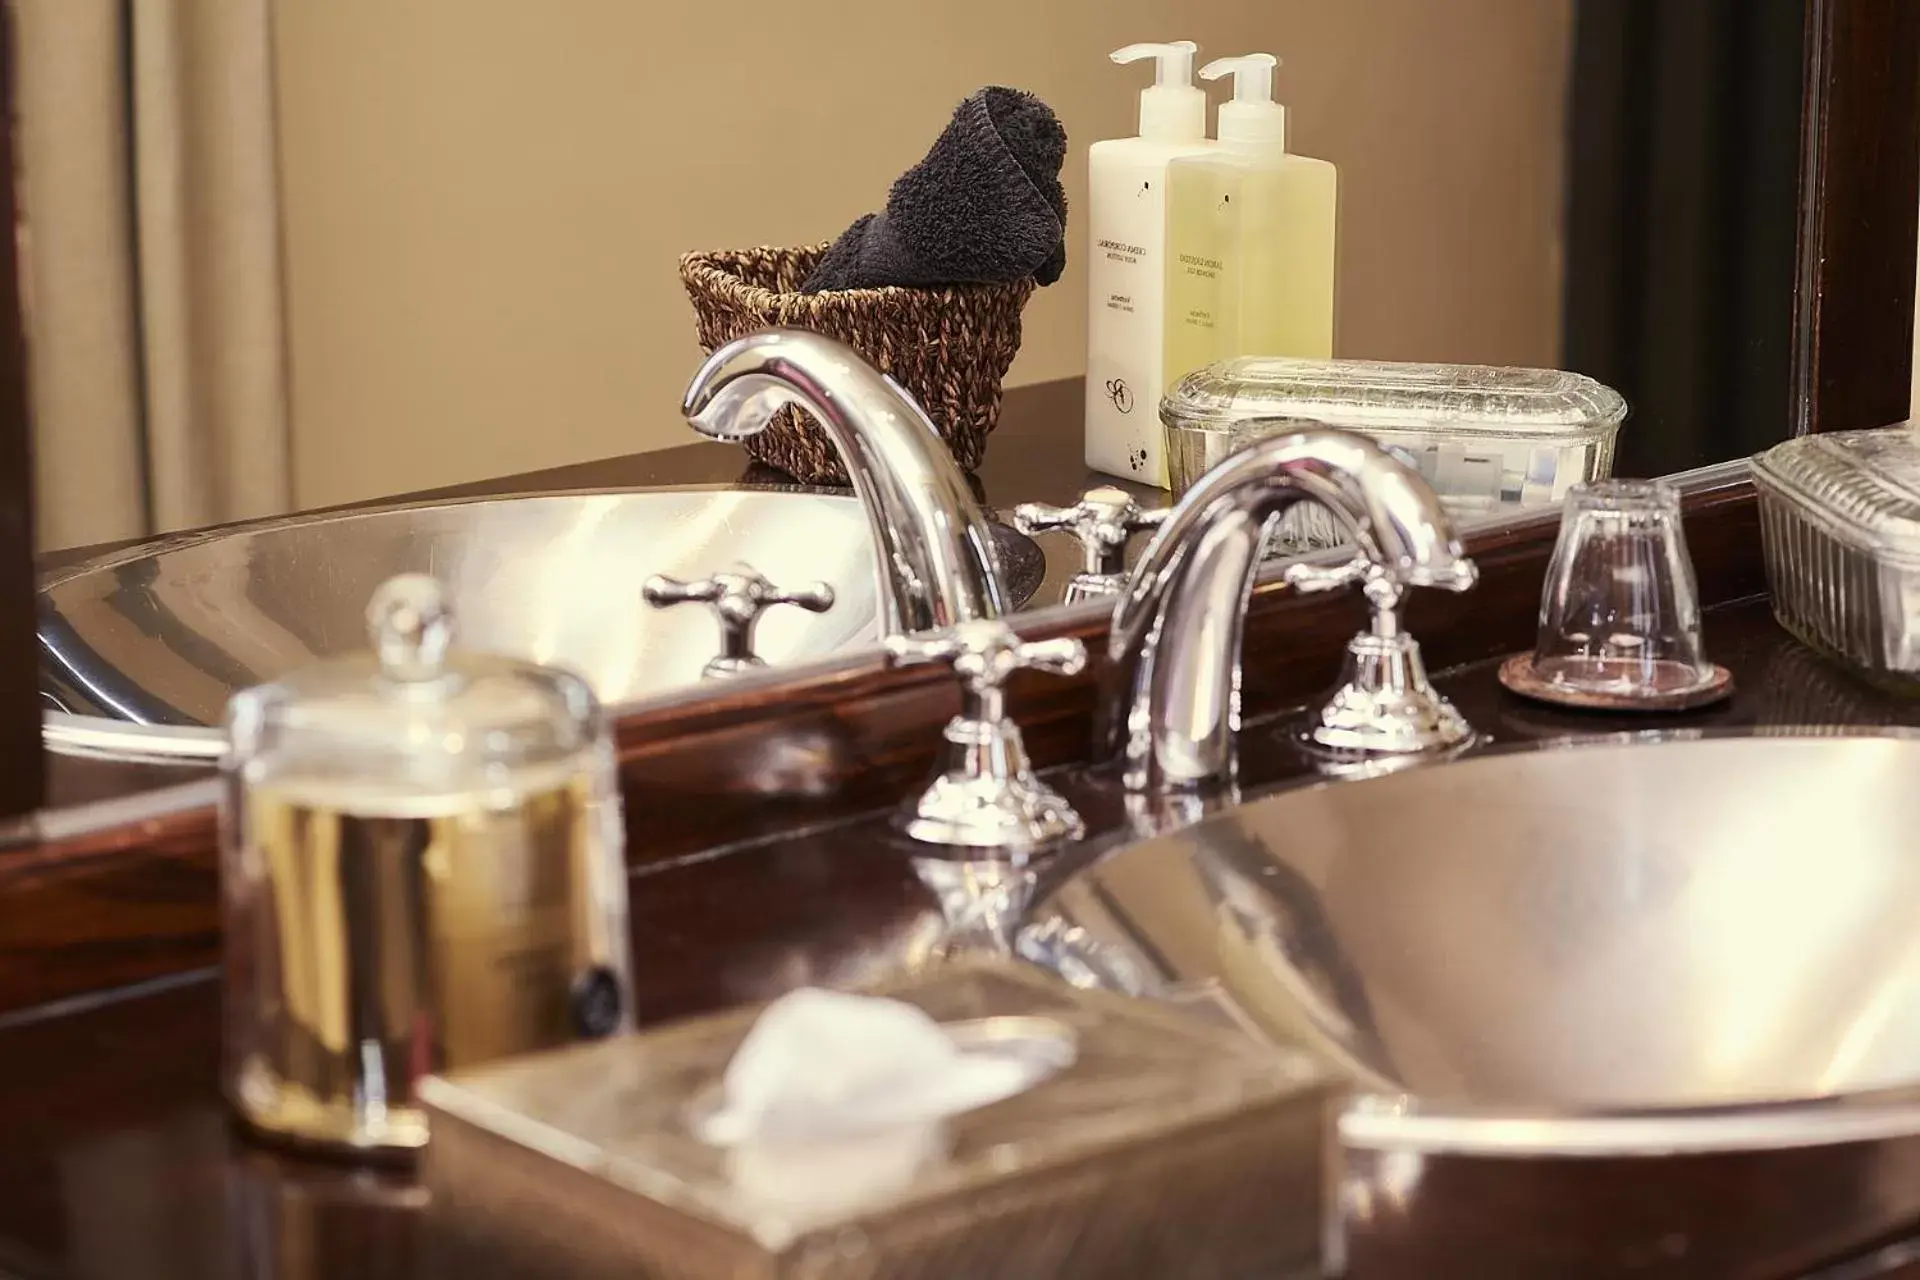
(1127, 320)
(1252, 232)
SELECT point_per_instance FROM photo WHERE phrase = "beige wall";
(486, 198)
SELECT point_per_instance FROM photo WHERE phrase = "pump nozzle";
(1253, 119)
(1174, 109)
(1174, 61)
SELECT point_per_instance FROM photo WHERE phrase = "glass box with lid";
(422, 867)
(1485, 438)
(1840, 522)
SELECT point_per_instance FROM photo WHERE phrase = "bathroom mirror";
(283, 255)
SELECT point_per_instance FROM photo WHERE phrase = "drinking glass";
(1620, 614)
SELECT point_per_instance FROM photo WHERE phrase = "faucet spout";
(938, 565)
(1173, 708)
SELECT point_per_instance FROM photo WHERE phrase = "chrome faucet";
(1104, 522)
(1173, 710)
(938, 565)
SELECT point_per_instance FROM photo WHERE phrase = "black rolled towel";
(985, 207)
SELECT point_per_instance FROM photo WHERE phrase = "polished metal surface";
(365, 949)
(141, 648)
(938, 562)
(1174, 707)
(1159, 1121)
(738, 599)
(422, 866)
(1897, 1260)
(1619, 947)
(1383, 706)
(986, 908)
(986, 796)
(1103, 522)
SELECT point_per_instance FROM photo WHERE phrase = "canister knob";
(411, 626)
(738, 597)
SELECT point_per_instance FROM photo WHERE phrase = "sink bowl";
(140, 649)
(1645, 1007)
(1609, 948)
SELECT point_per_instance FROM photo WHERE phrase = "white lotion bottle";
(1127, 272)
(1252, 235)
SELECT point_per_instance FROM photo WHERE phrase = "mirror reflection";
(285, 256)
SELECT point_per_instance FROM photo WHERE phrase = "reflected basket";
(950, 348)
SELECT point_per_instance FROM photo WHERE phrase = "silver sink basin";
(1618, 948)
(141, 649)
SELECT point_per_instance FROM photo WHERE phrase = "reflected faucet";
(938, 565)
(1173, 709)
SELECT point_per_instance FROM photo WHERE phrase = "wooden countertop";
(118, 1161)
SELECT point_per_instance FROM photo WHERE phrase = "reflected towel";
(985, 206)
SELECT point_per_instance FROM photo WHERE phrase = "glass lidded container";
(422, 868)
(1840, 528)
(1485, 438)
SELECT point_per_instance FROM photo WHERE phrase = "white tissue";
(824, 1066)
(791, 1186)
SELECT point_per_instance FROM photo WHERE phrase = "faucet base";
(989, 798)
(1384, 705)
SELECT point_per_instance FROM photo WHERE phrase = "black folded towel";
(985, 207)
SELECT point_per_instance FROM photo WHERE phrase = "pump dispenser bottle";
(1127, 323)
(1251, 235)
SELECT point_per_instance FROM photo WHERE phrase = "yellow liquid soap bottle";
(1202, 290)
(1253, 231)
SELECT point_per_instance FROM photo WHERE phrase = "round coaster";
(1518, 675)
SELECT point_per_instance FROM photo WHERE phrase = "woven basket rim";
(705, 265)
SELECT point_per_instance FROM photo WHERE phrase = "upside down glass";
(1620, 614)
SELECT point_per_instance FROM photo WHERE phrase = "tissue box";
(1168, 1148)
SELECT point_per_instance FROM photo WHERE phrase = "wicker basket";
(950, 348)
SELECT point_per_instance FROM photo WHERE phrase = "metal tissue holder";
(1104, 521)
(1384, 705)
(738, 599)
(987, 796)
(1168, 1147)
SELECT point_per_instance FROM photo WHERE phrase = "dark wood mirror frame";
(113, 895)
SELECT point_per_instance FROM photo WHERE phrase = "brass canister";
(422, 870)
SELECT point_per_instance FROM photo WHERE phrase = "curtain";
(150, 237)
(1913, 408)
(1683, 179)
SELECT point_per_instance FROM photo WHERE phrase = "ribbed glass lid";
(1385, 396)
(1866, 483)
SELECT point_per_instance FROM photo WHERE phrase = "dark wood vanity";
(764, 854)
(111, 1106)
(752, 877)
